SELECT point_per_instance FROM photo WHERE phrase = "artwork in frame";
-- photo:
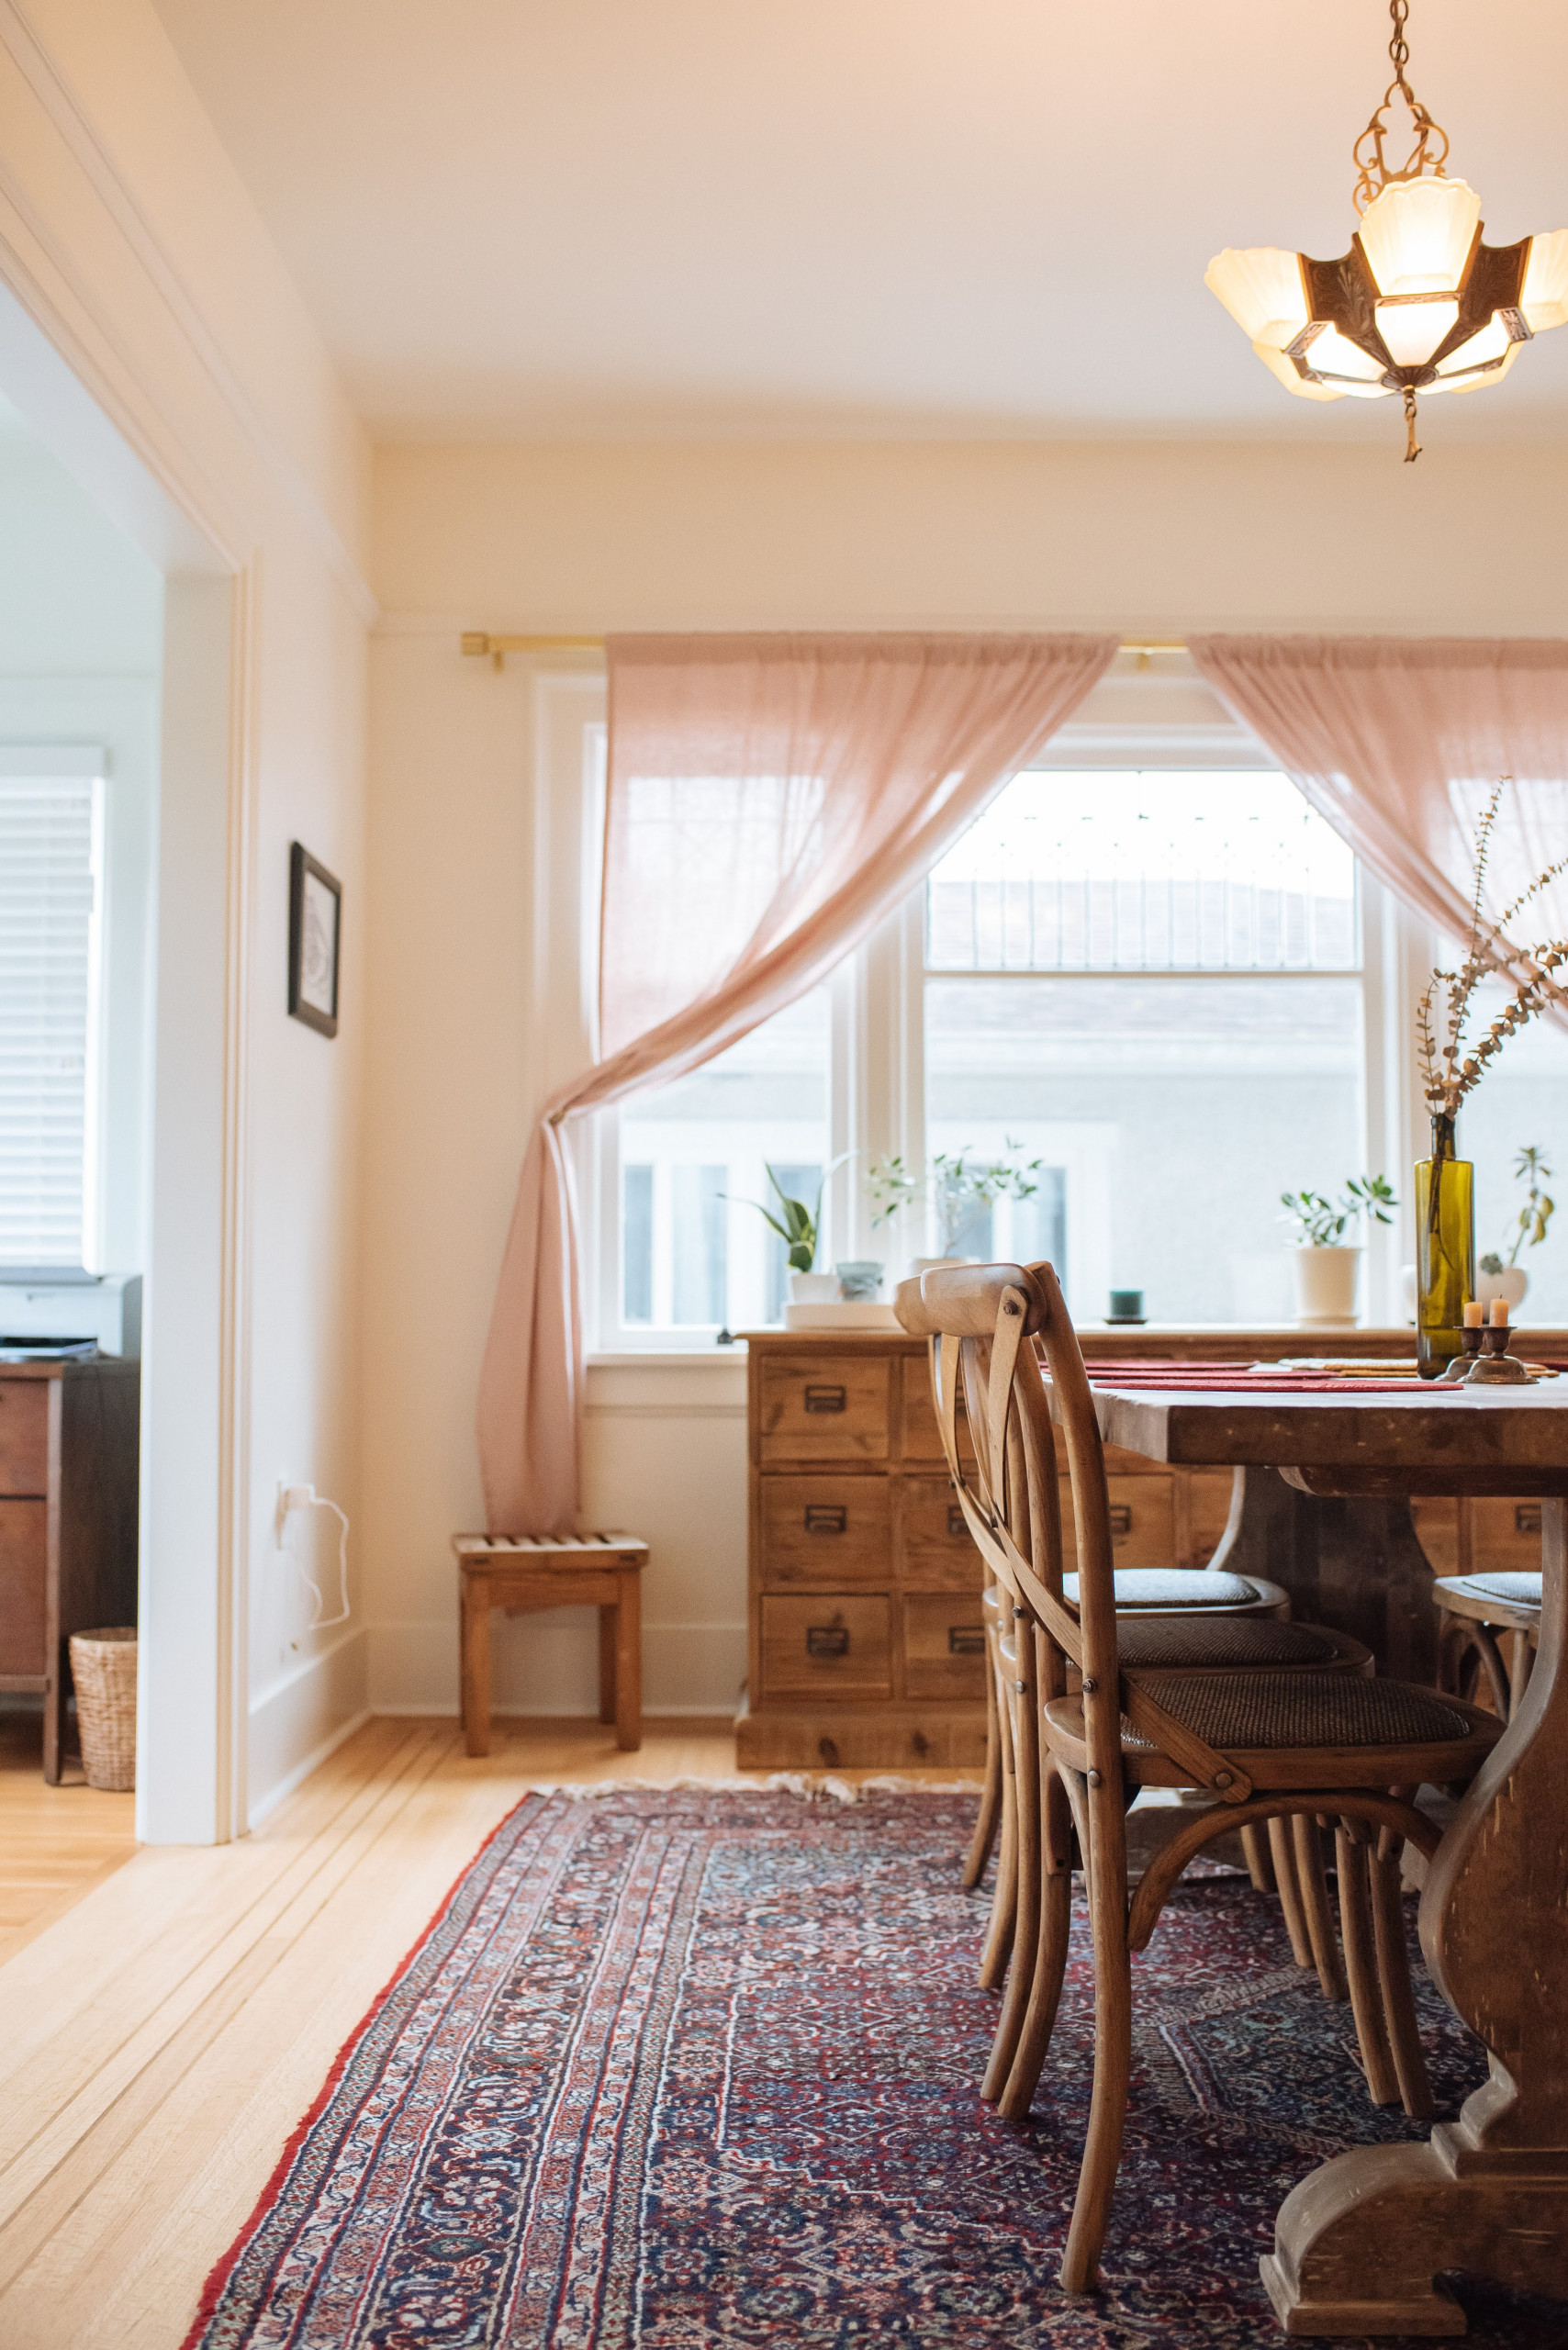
(315, 935)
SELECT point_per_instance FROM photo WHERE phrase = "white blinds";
(47, 860)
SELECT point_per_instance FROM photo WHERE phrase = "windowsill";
(669, 1357)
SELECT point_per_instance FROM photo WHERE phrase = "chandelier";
(1419, 303)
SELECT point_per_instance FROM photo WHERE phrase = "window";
(1159, 975)
(695, 1254)
(51, 831)
(1171, 990)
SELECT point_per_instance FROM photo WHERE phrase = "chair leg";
(1520, 1660)
(1025, 1723)
(1496, 1678)
(1003, 1900)
(1107, 1870)
(1314, 1887)
(1360, 1966)
(989, 1818)
(1255, 1852)
(1283, 1851)
(1393, 1976)
(1050, 1947)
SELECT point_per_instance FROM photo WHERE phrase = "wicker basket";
(103, 1665)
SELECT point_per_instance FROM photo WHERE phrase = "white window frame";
(877, 1089)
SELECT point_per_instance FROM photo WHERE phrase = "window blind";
(46, 941)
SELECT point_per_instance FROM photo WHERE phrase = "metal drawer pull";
(1527, 1518)
(966, 1640)
(827, 1640)
(1121, 1521)
(826, 1399)
(957, 1525)
(823, 1519)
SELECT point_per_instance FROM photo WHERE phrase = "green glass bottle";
(1445, 1251)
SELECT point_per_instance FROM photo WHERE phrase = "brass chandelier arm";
(1374, 169)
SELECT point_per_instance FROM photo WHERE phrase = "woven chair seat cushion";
(1513, 1590)
(1179, 1638)
(1236, 1711)
(1173, 1587)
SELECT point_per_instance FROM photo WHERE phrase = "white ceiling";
(848, 217)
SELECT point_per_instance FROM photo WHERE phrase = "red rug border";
(227, 2262)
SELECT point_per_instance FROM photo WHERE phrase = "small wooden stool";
(524, 1571)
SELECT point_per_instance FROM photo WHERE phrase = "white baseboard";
(304, 1716)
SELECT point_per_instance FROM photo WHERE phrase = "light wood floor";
(163, 2036)
(56, 1843)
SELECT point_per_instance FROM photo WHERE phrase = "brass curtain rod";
(478, 643)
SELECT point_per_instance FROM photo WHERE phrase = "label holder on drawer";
(827, 1640)
(826, 1518)
(823, 1399)
(966, 1640)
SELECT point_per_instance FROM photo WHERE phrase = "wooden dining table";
(1362, 2242)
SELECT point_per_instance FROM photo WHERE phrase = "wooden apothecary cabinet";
(68, 1520)
(866, 1642)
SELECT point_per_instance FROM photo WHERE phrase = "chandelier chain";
(1431, 144)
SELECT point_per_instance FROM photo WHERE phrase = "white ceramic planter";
(1511, 1283)
(813, 1289)
(918, 1265)
(1325, 1285)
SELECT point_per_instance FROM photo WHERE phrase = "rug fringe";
(809, 1786)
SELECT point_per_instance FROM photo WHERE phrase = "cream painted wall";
(1152, 539)
(217, 434)
(1157, 537)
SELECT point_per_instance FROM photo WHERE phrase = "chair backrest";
(983, 1323)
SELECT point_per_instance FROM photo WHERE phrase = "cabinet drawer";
(944, 1645)
(920, 1439)
(836, 1640)
(826, 1530)
(1142, 1522)
(24, 1436)
(936, 1550)
(24, 1555)
(827, 1407)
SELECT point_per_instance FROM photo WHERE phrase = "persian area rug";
(692, 2067)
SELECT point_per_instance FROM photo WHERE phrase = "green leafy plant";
(799, 1226)
(1320, 1223)
(892, 1188)
(959, 1184)
(1528, 1227)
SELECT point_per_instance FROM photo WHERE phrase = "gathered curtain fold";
(769, 800)
(1398, 743)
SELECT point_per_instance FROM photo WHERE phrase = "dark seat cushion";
(1179, 1638)
(1234, 1711)
(1173, 1587)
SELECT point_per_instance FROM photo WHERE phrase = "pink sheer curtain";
(1398, 741)
(771, 799)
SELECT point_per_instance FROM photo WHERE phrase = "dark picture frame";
(315, 941)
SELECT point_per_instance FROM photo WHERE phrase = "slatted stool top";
(1515, 1588)
(546, 1550)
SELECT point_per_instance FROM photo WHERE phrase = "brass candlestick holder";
(1494, 1366)
(1460, 1369)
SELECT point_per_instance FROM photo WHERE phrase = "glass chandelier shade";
(1420, 303)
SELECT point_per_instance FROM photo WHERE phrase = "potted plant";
(959, 1182)
(799, 1226)
(1505, 1277)
(1326, 1264)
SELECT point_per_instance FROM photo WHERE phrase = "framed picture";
(315, 935)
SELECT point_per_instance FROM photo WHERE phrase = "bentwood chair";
(1473, 1610)
(1192, 1618)
(1260, 1744)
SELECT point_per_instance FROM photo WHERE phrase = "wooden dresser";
(866, 1643)
(864, 1640)
(69, 1500)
